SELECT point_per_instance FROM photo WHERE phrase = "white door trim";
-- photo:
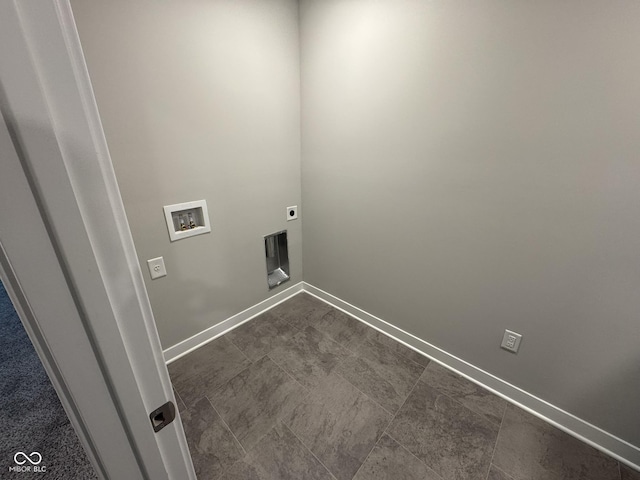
(49, 104)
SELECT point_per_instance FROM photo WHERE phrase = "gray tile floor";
(307, 392)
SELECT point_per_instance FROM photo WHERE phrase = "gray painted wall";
(201, 100)
(472, 166)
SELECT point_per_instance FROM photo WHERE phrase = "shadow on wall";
(602, 397)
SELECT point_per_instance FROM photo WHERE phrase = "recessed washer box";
(187, 219)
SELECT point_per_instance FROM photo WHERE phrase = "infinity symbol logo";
(35, 458)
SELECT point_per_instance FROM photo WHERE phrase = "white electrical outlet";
(511, 341)
(157, 268)
(292, 213)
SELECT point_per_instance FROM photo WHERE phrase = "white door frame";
(80, 236)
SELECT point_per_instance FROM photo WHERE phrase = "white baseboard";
(596, 437)
(178, 350)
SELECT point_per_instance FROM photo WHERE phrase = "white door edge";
(50, 104)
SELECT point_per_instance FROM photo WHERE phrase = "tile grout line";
(211, 344)
(495, 446)
(356, 355)
(226, 425)
(177, 394)
(481, 415)
(368, 329)
(412, 454)
(237, 347)
(397, 343)
(307, 389)
(368, 455)
(394, 417)
(398, 411)
(309, 450)
(509, 477)
(366, 395)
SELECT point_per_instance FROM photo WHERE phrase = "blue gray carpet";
(32, 418)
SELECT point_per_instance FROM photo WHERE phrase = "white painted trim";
(590, 434)
(178, 350)
(64, 156)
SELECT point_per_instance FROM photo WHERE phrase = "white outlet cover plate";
(157, 268)
(511, 341)
(290, 210)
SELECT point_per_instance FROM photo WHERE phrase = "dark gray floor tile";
(252, 402)
(451, 439)
(381, 373)
(220, 354)
(529, 448)
(222, 362)
(260, 335)
(468, 393)
(301, 310)
(342, 328)
(213, 448)
(398, 347)
(309, 356)
(390, 461)
(278, 456)
(627, 473)
(339, 425)
(496, 474)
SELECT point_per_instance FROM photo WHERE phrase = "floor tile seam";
(366, 396)
(175, 390)
(368, 455)
(218, 389)
(307, 392)
(278, 417)
(332, 340)
(375, 401)
(412, 454)
(293, 323)
(237, 347)
(224, 422)
(309, 450)
(183, 380)
(463, 405)
(356, 353)
(400, 353)
(368, 327)
(374, 359)
(306, 389)
(232, 378)
(198, 349)
(495, 446)
(330, 337)
(510, 477)
(341, 358)
(386, 429)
